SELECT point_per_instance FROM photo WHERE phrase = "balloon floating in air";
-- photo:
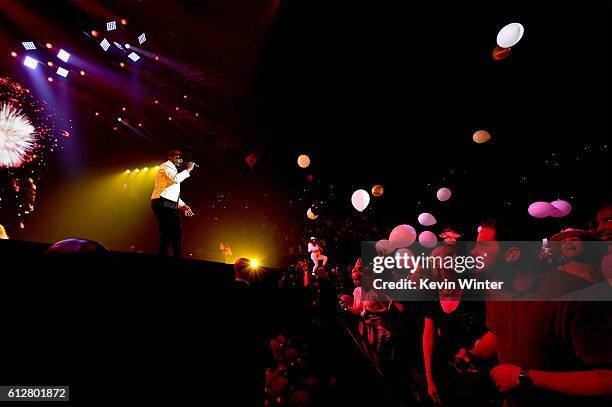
(563, 208)
(377, 190)
(303, 161)
(481, 136)
(310, 214)
(428, 239)
(443, 194)
(427, 219)
(556, 209)
(402, 236)
(540, 209)
(360, 199)
(500, 53)
(510, 35)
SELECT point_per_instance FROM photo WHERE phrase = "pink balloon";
(428, 239)
(540, 209)
(443, 194)
(402, 236)
(427, 219)
(563, 208)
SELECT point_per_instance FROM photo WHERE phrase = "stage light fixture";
(28, 45)
(134, 56)
(254, 263)
(62, 72)
(123, 21)
(50, 64)
(118, 119)
(63, 55)
(105, 44)
(157, 167)
(94, 33)
(142, 38)
(50, 79)
(123, 108)
(97, 113)
(121, 64)
(49, 45)
(137, 170)
(111, 25)
(157, 57)
(30, 62)
(128, 171)
(127, 46)
(146, 169)
(14, 54)
(82, 73)
(118, 45)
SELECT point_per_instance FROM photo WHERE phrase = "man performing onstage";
(166, 202)
(315, 254)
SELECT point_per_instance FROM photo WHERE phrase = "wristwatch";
(524, 379)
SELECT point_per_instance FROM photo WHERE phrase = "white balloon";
(402, 236)
(428, 239)
(510, 35)
(360, 199)
(427, 219)
(443, 194)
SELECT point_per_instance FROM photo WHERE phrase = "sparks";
(17, 136)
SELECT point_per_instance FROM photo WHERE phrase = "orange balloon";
(481, 136)
(500, 53)
(377, 190)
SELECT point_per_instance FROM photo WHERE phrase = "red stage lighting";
(122, 64)
(157, 57)
(94, 33)
(50, 63)
(123, 21)
(82, 73)
(50, 79)
(97, 113)
(48, 45)
(14, 54)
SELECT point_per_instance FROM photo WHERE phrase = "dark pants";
(169, 222)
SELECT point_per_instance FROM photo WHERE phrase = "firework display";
(27, 137)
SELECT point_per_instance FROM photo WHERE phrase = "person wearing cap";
(167, 204)
(315, 254)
